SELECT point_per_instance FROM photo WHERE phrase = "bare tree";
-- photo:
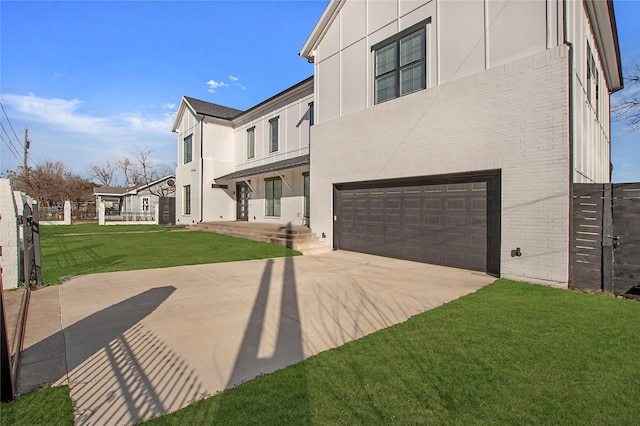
(50, 183)
(627, 109)
(106, 173)
(135, 172)
(130, 172)
(148, 172)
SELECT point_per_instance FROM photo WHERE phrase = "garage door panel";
(453, 223)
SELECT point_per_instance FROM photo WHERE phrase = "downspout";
(571, 133)
(201, 168)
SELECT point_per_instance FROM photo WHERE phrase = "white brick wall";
(9, 241)
(513, 118)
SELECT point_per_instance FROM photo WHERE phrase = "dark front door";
(242, 201)
(167, 211)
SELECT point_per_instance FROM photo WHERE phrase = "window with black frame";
(273, 194)
(401, 63)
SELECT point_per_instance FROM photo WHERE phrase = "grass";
(511, 353)
(94, 228)
(87, 254)
(47, 406)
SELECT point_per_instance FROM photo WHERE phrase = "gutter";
(571, 133)
(201, 168)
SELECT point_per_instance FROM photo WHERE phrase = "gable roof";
(329, 14)
(225, 113)
(119, 191)
(212, 110)
(111, 190)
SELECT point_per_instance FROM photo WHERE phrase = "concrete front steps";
(297, 237)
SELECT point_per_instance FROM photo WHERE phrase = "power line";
(11, 149)
(9, 142)
(11, 125)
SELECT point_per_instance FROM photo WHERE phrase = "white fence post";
(9, 239)
(67, 212)
(101, 208)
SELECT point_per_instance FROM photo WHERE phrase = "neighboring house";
(138, 200)
(451, 132)
(245, 165)
(446, 132)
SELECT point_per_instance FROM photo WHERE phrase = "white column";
(101, 208)
(67, 212)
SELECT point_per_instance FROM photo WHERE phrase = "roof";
(212, 110)
(329, 14)
(289, 163)
(111, 190)
(225, 113)
(605, 31)
(124, 190)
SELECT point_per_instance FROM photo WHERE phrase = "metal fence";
(144, 216)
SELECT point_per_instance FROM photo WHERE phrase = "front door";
(242, 201)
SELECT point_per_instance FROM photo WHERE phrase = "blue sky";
(101, 80)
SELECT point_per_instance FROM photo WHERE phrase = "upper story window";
(593, 89)
(187, 151)
(251, 142)
(311, 114)
(401, 63)
(273, 134)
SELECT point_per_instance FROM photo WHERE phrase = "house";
(248, 165)
(446, 132)
(461, 127)
(135, 203)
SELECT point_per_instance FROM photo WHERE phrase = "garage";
(451, 221)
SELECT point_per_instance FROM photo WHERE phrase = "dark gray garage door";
(448, 221)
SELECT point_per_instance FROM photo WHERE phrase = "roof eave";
(176, 122)
(603, 20)
(320, 29)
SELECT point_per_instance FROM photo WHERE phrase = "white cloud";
(62, 132)
(213, 85)
(232, 78)
(59, 113)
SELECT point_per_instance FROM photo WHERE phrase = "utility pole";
(26, 147)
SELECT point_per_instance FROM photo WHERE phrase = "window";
(307, 196)
(311, 114)
(187, 154)
(593, 89)
(251, 142)
(145, 204)
(273, 134)
(273, 194)
(186, 199)
(400, 63)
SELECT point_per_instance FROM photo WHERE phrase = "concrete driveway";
(140, 344)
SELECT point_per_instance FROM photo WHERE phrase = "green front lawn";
(47, 406)
(87, 254)
(94, 228)
(511, 353)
